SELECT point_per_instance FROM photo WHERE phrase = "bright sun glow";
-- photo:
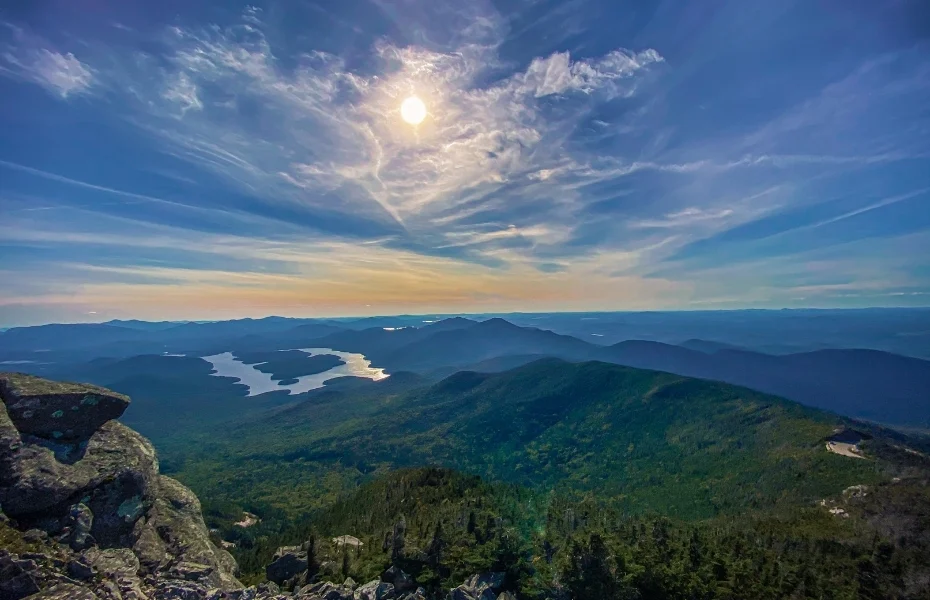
(413, 110)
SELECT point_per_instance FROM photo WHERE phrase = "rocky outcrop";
(288, 562)
(382, 590)
(480, 587)
(56, 410)
(86, 489)
(288, 572)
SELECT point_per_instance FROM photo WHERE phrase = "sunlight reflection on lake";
(356, 365)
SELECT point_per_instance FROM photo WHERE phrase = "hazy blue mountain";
(236, 327)
(903, 331)
(482, 341)
(862, 383)
(60, 337)
(450, 324)
(144, 325)
(106, 340)
(866, 384)
(707, 346)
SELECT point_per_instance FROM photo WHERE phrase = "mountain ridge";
(558, 422)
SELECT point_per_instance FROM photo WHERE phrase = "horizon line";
(4, 328)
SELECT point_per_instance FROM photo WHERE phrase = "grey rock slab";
(116, 464)
(65, 591)
(56, 410)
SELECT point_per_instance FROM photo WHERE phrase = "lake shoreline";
(257, 382)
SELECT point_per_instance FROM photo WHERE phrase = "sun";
(413, 110)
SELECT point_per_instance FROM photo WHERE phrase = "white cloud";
(61, 74)
(557, 74)
(684, 218)
(183, 91)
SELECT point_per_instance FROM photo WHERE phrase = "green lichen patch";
(12, 541)
(130, 509)
(58, 414)
(30, 385)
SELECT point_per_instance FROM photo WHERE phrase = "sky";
(207, 160)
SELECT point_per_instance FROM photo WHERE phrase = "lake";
(356, 365)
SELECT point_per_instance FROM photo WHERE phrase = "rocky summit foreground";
(86, 515)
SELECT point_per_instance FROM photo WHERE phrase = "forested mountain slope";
(649, 441)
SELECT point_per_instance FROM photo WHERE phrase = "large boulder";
(375, 590)
(37, 476)
(401, 581)
(98, 503)
(485, 581)
(77, 527)
(15, 581)
(56, 410)
(288, 562)
(478, 587)
(325, 590)
(113, 479)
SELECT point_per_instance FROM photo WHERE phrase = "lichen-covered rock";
(113, 562)
(375, 590)
(191, 571)
(80, 569)
(15, 581)
(175, 516)
(484, 581)
(115, 464)
(65, 591)
(400, 580)
(149, 547)
(56, 410)
(10, 439)
(78, 525)
(478, 587)
(180, 590)
(462, 593)
(288, 562)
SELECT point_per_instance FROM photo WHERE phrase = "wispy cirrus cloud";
(28, 58)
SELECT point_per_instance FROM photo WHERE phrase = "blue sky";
(216, 160)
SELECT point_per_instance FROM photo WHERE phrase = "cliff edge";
(85, 512)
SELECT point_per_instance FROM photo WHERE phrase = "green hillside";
(645, 441)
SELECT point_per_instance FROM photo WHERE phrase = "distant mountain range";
(862, 383)
(867, 384)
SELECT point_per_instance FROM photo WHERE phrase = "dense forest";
(440, 526)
